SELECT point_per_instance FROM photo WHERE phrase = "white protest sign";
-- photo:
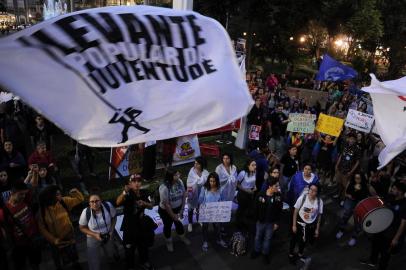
(359, 121)
(215, 212)
(301, 122)
(122, 75)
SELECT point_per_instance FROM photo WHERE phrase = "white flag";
(389, 101)
(117, 76)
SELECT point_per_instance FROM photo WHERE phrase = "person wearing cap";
(135, 236)
(18, 219)
(56, 226)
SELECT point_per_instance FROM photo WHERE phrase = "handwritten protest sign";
(254, 133)
(301, 122)
(329, 125)
(359, 121)
(215, 212)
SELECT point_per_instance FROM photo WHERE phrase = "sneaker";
(205, 246)
(190, 228)
(184, 239)
(367, 262)
(352, 242)
(169, 244)
(222, 243)
(339, 235)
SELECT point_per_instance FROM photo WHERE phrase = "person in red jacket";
(42, 156)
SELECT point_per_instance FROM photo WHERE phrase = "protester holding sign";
(136, 232)
(227, 173)
(97, 221)
(172, 203)
(197, 177)
(211, 193)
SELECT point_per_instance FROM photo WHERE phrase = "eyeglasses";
(95, 201)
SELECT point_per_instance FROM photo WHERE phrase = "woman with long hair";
(196, 178)
(211, 193)
(246, 189)
(171, 206)
(357, 190)
(227, 173)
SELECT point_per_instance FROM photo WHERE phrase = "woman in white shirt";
(306, 220)
(246, 189)
(97, 221)
(195, 180)
(227, 173)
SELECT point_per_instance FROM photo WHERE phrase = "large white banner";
(117, 76)
(389, 101)
(359, 121)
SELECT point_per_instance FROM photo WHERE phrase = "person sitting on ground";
(56, 226)
(97, 221)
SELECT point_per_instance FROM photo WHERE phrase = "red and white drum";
(372, 215)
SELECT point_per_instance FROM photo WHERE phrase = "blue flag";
(332, 70)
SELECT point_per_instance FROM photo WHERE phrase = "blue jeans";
(263, 237)
(349, 206)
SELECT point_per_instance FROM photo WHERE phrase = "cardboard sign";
(359, 121)
(329, 125)
(215, 212)
(254, 132)
(301, 122)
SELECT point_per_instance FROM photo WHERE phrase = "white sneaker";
(190, 228)
(339, 235)
(352, 242)
(184, 239)
(169, 244)
(222, 243)
(205, 246)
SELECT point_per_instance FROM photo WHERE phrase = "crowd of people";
(281, 167)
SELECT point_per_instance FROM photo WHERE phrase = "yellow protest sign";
(329, 125)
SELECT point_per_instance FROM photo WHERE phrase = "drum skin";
(372, 214)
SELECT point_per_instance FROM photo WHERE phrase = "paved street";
(326, 254)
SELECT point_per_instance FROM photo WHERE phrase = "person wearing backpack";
(97, 221)
(56, 226)
(211, 193)
(306, 221)
(300, 183)
(268, 208)
(136, 226)
(172, 196)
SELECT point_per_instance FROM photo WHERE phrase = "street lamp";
(291, 38)
(302, 39)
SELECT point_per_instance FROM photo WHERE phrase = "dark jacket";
(268, 208)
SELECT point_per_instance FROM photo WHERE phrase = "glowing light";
(302, 39)
(291, 38)
(244, 34)
(339, 43)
